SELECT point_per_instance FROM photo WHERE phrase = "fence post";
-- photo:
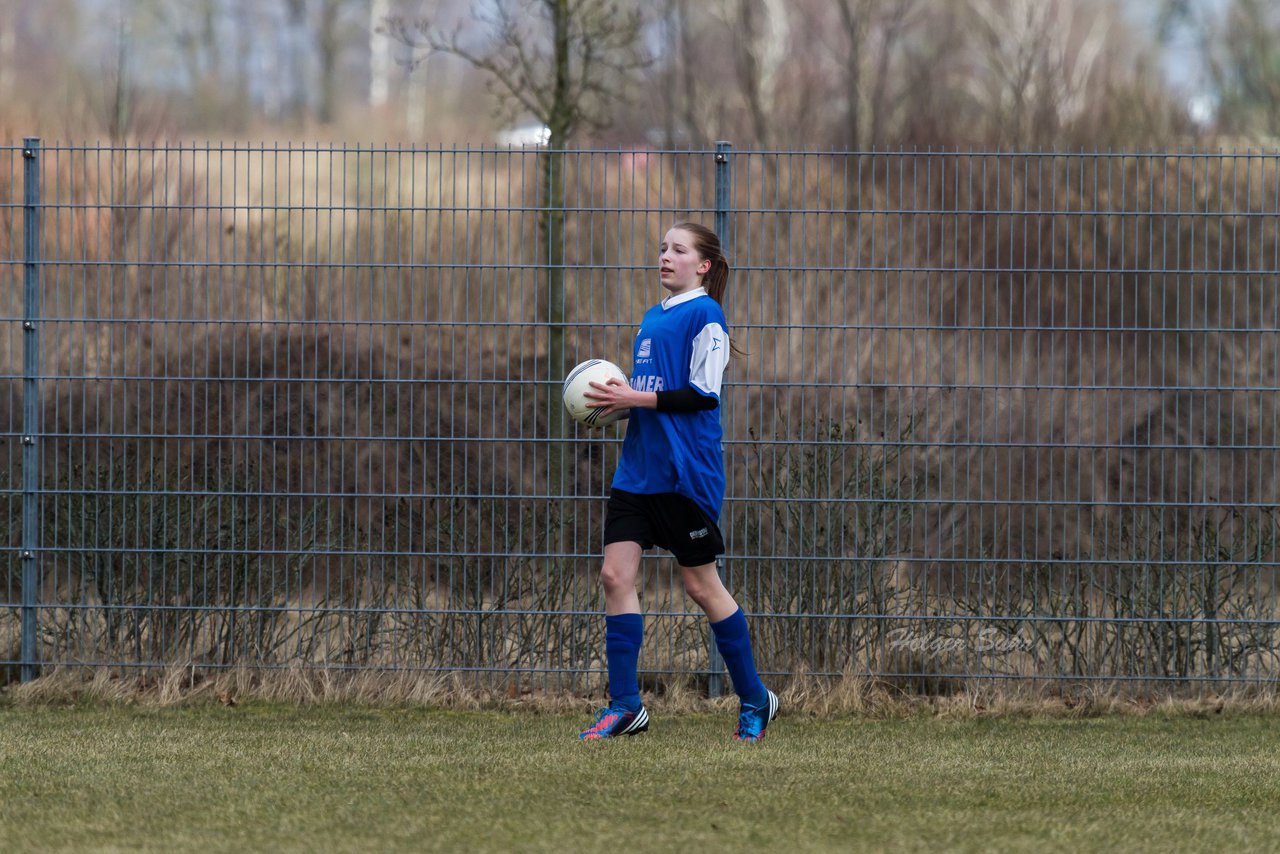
(30, 405)
(715, 663)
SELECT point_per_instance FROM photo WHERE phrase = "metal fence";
(1001, 415)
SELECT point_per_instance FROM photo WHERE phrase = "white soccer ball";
(578, 383)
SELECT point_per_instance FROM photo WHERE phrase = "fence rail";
(1002, 415)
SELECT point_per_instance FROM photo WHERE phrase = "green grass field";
(274, 777)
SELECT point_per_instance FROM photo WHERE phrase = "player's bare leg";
(625, 714)
(704, 587)
(618, 578)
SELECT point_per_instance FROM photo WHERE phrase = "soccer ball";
(578, 383)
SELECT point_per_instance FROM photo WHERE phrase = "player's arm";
(617, 396)
(687, 399)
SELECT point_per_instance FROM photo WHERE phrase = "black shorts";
(668, 520)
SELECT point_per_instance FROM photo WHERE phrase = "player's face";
(679, 265)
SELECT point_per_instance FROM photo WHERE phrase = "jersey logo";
(701, 532)
(715, 344)
(646, 346)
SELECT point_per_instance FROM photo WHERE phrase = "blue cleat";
(752, 720)
(612, 722)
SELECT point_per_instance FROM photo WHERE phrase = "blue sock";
(623, 634)
(734, 642)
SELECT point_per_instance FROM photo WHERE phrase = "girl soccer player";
(670, 480)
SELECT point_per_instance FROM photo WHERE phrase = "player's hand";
(615, 396)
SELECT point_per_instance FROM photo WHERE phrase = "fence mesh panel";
(1000, 415)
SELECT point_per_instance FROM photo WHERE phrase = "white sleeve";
(710, 357)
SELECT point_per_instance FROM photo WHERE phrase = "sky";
(1182, 66)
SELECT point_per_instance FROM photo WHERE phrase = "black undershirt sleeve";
(687, 399)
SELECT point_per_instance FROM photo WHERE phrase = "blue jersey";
(682, 342)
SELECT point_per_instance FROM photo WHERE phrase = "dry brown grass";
(851, 695)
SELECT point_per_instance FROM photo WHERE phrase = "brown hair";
(707, 244)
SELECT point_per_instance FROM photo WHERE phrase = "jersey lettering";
(649, 383)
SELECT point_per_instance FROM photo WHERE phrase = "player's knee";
(700, 587)
(614, 578)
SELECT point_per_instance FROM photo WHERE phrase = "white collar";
(679, 299)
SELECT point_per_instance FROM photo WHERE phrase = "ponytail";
(716, 280)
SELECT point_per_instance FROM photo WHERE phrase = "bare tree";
(676, 81)
(761, 43)
(874, 32)
(211, 43)
(380, 59)
(314, 40)
(9, 18)
(678, 91)
(1035, 59)
(1243, 58)
(35, 39)
(190, 27)
(123, 94)
(688, 81)
(295, 64)
(565, 62)
(244, 41)
(339, 26)
(771, 73)
(854, 19)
